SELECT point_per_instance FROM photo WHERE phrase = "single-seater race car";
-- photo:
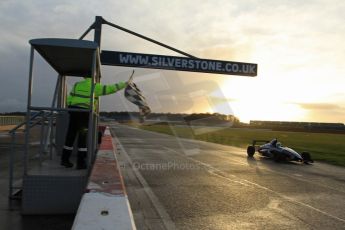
(274, 149)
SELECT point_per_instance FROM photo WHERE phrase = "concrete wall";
(105, 204)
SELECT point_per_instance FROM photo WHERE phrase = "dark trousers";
(78, 125)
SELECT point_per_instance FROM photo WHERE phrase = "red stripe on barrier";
(105, 176)
(107, 143)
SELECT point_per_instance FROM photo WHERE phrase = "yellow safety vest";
(81, 92)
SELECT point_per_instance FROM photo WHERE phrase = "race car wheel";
(250, 151)
(277, 157)
(306, 157)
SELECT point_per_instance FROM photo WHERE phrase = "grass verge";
(325, 147)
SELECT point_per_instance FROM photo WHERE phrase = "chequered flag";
(134, 95)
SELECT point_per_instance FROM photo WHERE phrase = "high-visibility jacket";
(81, 92)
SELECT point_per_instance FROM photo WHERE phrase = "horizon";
(154, 113)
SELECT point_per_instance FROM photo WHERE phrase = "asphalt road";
(177, 183)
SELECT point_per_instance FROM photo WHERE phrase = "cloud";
(324, 112)
(67, 8)
(320, 106)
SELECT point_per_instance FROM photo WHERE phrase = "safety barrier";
(105, 204)
(11, 120)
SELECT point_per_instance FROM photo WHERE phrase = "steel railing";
(43, 118)
(47, 120)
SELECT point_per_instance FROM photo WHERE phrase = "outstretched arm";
(101, 90)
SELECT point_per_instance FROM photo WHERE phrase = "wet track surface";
(177, 183)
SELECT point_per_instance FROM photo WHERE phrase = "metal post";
(64, 91)
(94, 139)
(147, 39)
(91, 130)
(43, 120)
(50, 125)
(11, 159)
(60, 97)
(56, 90)
(61, 92)
(98, 77)
(86, 32)
(98, 30)
(58, 101)
(27, 126)
(51, 137)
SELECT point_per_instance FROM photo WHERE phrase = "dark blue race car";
(275, 150)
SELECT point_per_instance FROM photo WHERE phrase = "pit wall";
(105, 203)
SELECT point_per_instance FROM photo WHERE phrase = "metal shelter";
(68, 57)
(45, 187)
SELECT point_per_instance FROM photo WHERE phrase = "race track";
(177, 183)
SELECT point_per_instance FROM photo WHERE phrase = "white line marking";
(168, 223)
(256, 185)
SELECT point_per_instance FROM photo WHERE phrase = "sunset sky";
(298, 46)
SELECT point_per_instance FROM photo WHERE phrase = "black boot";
(65, 159)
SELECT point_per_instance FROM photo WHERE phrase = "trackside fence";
(11, 120)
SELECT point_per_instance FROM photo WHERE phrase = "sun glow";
(247, 110)
(251, 99)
